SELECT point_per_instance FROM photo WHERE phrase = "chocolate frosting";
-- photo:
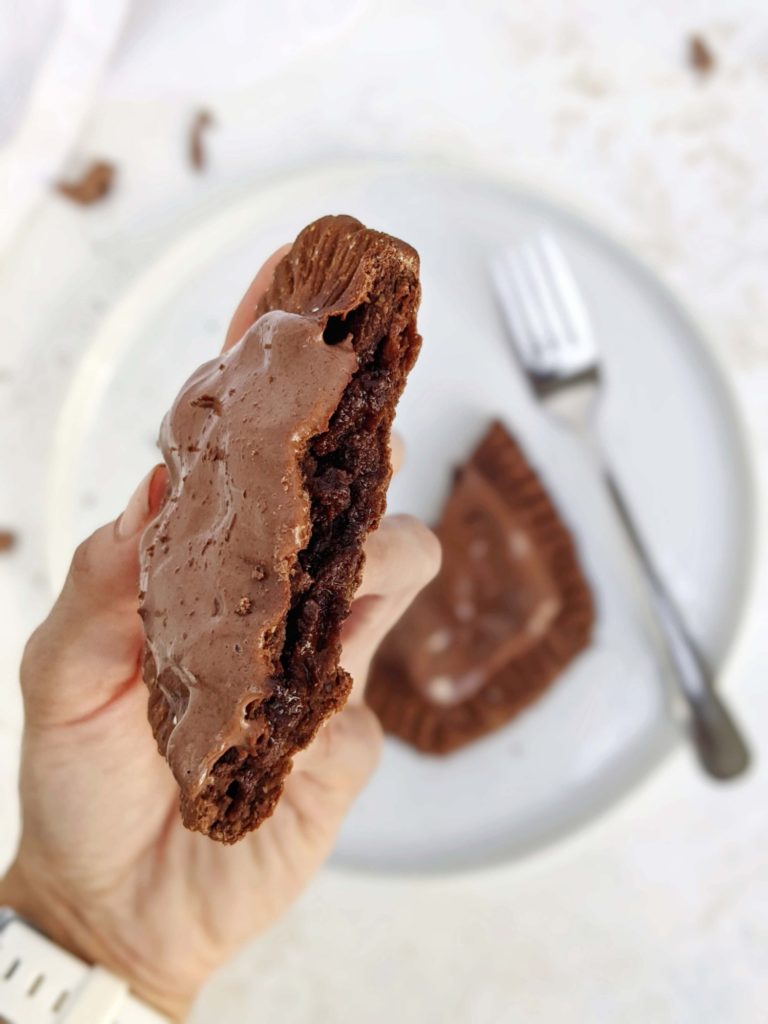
(237, 431)
(494, 599)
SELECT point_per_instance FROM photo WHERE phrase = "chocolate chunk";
(507, 612)
(299, 480)
(700, 56)
(206, 402)
(197, 153)
(94, 185)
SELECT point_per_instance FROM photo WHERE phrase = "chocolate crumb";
(95, 184)
(207, 402)
(258, 572)
(7, 540)
(700, 56)
(243, 606)
(197, 152)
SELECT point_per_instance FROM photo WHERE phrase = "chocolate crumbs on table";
(700, 56)
(94, 184)
(197, 152)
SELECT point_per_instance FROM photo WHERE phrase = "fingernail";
(142, 505)
(158, 485)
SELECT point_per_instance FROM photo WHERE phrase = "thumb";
(401, 558)
(88, 649)
(325, 780)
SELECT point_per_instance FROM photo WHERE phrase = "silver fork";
(555, 342)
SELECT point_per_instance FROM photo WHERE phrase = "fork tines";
(546, 315)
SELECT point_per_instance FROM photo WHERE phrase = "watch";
(40, 983)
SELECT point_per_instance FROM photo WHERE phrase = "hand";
(104, 865)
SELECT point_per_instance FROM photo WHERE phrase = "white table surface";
(659, 913)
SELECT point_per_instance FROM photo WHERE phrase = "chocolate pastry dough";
(507, 612)
(279, 460)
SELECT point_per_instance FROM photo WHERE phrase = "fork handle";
(719, 745)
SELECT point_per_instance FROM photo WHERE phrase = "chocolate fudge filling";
(279, 461)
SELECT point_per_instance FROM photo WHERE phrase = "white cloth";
(56, 55)
(62, 85)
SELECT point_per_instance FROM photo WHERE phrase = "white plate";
(667, 419)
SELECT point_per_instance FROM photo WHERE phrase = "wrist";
(68, 930)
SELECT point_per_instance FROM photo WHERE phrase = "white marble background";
(660, 912)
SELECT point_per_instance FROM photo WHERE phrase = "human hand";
(104, 865)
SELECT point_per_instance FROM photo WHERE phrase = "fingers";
(345, 751)
(88, 648)
(325, 780)
(402, 556)
(289, 848)
(397, 448)
(244, 314)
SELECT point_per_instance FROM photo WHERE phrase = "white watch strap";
(43, 984)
